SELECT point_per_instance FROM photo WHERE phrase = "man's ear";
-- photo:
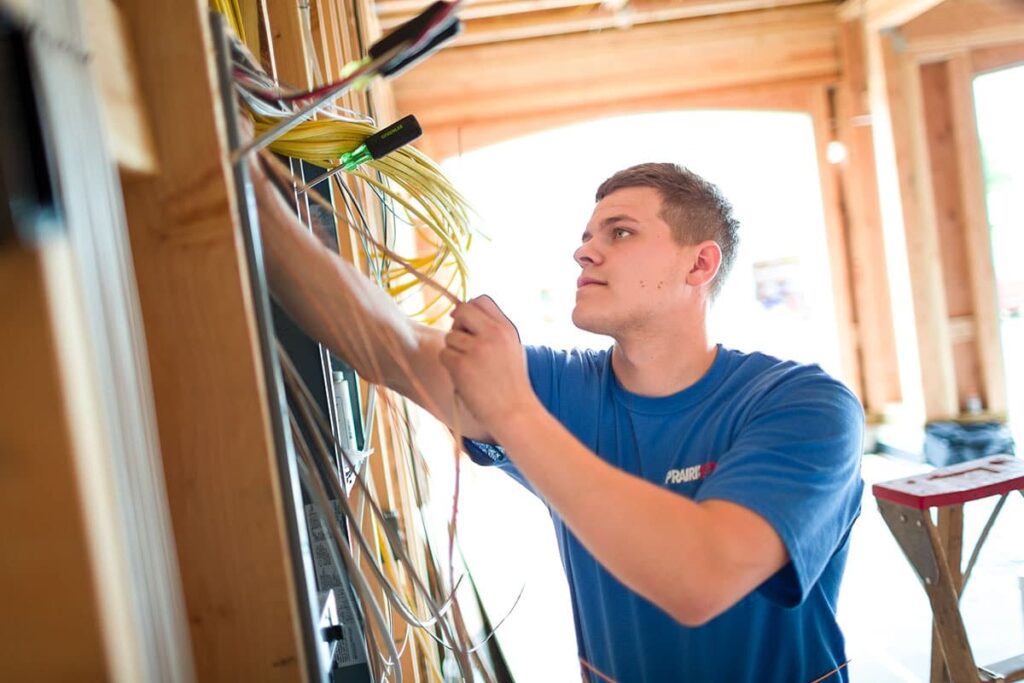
(707, 258)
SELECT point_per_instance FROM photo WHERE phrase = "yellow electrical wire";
(423, 194)
(232, 11)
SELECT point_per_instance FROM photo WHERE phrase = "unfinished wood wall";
(211, 398)
(923, 74)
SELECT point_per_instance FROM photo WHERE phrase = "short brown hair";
(695, 209)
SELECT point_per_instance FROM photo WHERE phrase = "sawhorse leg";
(950, 529)
(921, 543)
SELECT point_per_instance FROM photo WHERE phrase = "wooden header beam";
(883, 14)
(957, 25)
(555, 19)
(482, 86)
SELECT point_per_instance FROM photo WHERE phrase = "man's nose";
(586, 254)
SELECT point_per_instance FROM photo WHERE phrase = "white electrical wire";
(313, 419)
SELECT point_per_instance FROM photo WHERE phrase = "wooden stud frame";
(219, 456)
(924, 89)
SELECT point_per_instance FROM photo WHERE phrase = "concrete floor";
(883, 608)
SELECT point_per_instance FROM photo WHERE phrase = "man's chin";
(587, 323)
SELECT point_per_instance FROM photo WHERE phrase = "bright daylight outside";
(999, 99)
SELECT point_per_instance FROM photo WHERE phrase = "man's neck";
(664, 364)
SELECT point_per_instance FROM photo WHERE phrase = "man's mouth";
(585, 281)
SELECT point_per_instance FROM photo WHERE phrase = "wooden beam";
(997, 57)
(944, 169)
(906, 112)
(551, 75)
(879, 15)
(976, 234)
(78, 391)
(326, 39)
(575, 18)
(475, 9)
(946, 178)
(53, 541)
(962, 221)
(836, 241)
(444, 141)
(957, 25)
(869, 279)
(291, 56)
(250, 11)
(211, 399)
(113, 70)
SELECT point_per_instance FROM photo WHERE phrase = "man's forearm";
(690, 559)
(331, 300)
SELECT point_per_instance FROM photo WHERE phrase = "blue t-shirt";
(779, 438)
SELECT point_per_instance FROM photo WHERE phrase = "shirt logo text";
(688, 474)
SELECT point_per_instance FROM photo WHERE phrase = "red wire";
(593, 669)
(438, 20)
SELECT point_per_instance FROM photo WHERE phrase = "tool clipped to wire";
(380, 144)
(383, 142)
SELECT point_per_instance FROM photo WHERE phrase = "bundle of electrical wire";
(425, 200)
(409, 185)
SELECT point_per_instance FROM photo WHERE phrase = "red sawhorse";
(934, 550)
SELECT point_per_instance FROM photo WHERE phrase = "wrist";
(521, 419)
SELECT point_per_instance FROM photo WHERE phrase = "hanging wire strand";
(339, 546)
(456, 428)
(315, 419)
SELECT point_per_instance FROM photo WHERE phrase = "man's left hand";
(485, 359)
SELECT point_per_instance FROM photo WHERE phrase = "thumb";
(487, 305)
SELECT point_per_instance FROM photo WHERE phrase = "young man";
(702, 497)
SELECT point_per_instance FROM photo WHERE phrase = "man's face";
(633, 271)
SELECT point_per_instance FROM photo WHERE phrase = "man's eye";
(621, 232)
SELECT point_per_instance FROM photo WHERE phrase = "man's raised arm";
(358, 321)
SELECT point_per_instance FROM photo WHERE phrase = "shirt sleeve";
(796, 463)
